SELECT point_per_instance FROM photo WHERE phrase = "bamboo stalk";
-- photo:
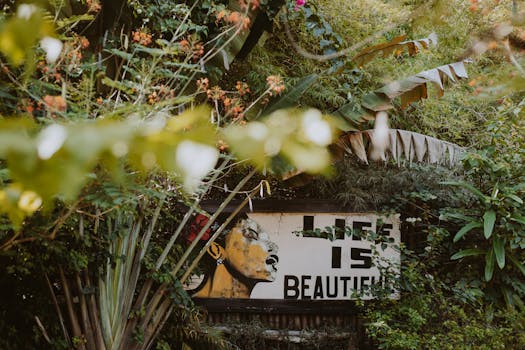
(42, 329)
(71, 309)
(157, 319)
(159, 293)
(187, 216)
(59, 312)
(139, 303)
(146, 238)
(94, 315)
(86, 322)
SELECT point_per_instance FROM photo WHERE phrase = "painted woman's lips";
(272, 260)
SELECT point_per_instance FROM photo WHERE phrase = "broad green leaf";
(465, 229)
(499, 251)
(457, 216)
(489, 265)
(467, 252)
(467, 186)
(515, 198)
(518, 187)
(489, 218)
(376, 102)
(518, 218)
(517, 263)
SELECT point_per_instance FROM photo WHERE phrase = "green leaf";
(489, 265)
(507, 295)
(290, 99)
(350, 117)
(467, 252)
(515, 198)
(518, 218)
(457, 216)
(376, 102)
(517, 263)
(489, 218)
(467, 186)
(499, 251)
(465, 229)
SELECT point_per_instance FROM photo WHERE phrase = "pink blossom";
(299, 3)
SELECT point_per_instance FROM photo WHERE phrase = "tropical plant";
(110, 148)
(493, 222)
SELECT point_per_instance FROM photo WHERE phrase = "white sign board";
(287, 260)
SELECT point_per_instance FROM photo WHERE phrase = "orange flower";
(93, 5)
(238, 19)
(142, 38)
(215, 93)
(55, 103)
(275, 84)
(242, 88)
(84, 42)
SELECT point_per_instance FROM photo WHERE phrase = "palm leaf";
(409, 90)
(403, 145)
(414, 88)
(396, 46)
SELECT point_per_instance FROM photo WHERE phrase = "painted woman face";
(250, 251)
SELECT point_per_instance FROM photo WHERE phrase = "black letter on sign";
(340, 228)
(358, 228)
(336, 257)
(304, 287)
(308, 226)
(357, 254)
(384, 231)
(294, 287)
(318, 289)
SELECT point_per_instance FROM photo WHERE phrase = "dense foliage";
(103, 212)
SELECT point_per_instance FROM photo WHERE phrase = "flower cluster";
(275, 84)
(55, 103)
(162, 92)
(229, 103)
(299, 3)
(142, 38)
(93, 6)
(234, 17)
(196, 50)
(242, 88)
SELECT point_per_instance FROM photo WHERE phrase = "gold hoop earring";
(216, 252)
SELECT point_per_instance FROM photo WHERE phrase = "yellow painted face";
(250, 251)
